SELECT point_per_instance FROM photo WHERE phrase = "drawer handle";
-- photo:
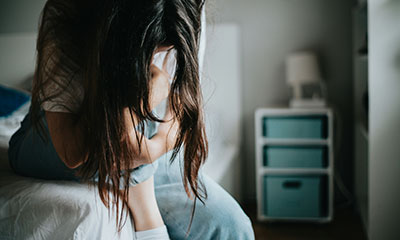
(292, 184)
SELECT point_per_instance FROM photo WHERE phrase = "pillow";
(11, 100)
(14, 105)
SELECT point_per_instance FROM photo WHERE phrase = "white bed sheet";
(38, 209)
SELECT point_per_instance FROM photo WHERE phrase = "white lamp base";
(307, 103)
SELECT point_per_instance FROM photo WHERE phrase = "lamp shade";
(301, 68)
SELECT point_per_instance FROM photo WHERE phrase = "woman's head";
(110, 44)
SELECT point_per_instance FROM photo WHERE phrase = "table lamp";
(302, 68)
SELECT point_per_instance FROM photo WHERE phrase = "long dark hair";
(110, 44)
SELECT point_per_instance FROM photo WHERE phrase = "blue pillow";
(11, 100)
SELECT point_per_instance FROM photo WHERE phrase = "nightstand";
(294, 164)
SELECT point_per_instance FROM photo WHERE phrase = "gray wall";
(270, 30)
(384, 82)
(18, 16)
(18, 29)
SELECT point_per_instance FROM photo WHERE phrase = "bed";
(37, 209)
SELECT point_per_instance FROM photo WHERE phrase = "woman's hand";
(159, 83)
(159, 144)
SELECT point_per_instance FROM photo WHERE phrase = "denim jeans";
(220, 217)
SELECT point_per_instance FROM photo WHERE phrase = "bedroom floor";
(346, 225)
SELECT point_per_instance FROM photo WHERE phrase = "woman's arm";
(67, 139)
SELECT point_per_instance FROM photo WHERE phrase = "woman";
(93, 101)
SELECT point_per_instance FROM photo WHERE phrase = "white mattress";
(37, 209)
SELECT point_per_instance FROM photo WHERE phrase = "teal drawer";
(295, 156)
(293, 196)
(295, 127)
